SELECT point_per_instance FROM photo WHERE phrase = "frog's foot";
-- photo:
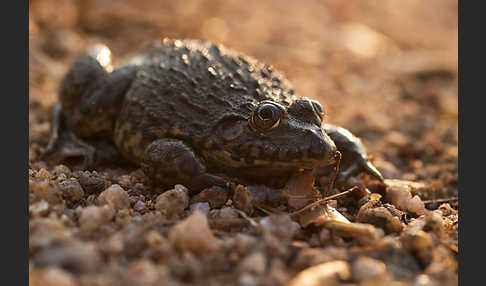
(354, 158)
(359, 165)
(65, 147)
(170, 162)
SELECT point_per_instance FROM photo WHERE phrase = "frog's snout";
(332, 154)
(323, 148)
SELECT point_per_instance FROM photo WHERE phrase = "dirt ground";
(386, 70)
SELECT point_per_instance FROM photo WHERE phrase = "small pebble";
(61, 169)
(446, 209)
(156, 241)
(115, 197)
(244, 243)
(43, 174)
(215, 196)
(366, 268)
(75, 257)
(329, 273)
(247, 279)
(138, 189)
(46, 231)
(324, 236)
(380, 217)
(278, 274)
(434, 222)
(173, 202)
(242, 199)
(51, 276)
(71, 190)
(426, 280)
(254, 263)
(399, 193)
(125, 181)
(281, 226)
(144, 272)
(139, 206)
(114, 244)
(194, 235)
(38, 209)
(91, 182)
(45, 190)
(123, 217)
(134, 240)
(225, 212)
(309, 257)
(93, 217)
(421, 244)
(203, 207)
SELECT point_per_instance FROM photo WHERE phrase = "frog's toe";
(362, 165)
(65, 147)
(71, 151)
(370, 169)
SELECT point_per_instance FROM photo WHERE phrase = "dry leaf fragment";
(299, 190)
(321, 214)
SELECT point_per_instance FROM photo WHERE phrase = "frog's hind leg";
(170, 162)
(92, 94)
(64, 146)
(90, 98)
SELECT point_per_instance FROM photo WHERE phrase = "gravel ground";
(386, 70)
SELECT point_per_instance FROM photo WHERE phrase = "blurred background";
(385, 69)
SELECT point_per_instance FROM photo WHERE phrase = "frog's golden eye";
(266, 117)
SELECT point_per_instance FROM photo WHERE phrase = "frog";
(196, 113)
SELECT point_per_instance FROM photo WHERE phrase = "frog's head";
(276, 137)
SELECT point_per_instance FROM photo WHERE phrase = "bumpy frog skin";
(196, 113)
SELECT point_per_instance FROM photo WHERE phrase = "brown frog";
(196, 113)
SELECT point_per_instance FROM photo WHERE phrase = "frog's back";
(185, 88)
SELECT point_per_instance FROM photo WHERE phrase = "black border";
(15, 130)
(471, 68)
(460, 93)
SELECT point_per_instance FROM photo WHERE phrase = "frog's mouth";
(223, 157)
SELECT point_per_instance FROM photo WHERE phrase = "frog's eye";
(266, 117)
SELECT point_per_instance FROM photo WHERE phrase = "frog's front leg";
(170, 161)
(354, 159)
